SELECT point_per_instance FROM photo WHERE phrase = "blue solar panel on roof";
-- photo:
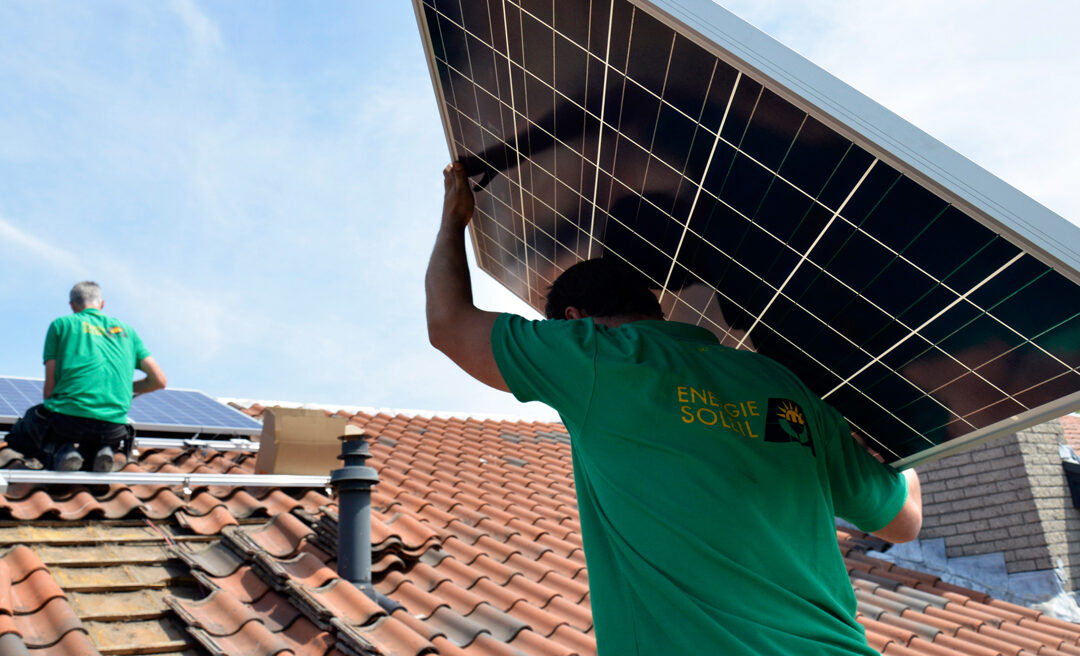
(167, 411)
(931, 303)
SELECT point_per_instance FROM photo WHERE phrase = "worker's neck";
(616, 321)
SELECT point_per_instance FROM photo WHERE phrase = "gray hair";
(85, 294)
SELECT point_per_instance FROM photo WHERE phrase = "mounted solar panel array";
(168, 412)
(931, 303)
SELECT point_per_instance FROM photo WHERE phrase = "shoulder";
(519, 327)
(62, 322)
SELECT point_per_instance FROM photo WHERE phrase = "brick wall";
(1008, 495)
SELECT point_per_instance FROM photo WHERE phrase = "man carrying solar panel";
(707, 478)
(89, 361)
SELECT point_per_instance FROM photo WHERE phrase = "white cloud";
(204, 34)
(17, 241)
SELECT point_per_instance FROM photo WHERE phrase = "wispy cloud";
(16, 241)
(204, 33)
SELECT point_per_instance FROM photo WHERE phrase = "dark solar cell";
(595, 128)
(572, 22)
(650, 52)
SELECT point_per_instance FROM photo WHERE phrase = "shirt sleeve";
(141, 352)
(549, 361)
(52, 342)
(865, 492)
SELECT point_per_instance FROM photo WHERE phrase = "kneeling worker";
(89, 362)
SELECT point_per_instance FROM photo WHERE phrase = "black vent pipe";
(354, 482)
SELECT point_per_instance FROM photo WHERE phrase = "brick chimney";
(1008, 497)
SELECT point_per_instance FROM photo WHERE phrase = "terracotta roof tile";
(48, 624)
(210, 523)
(475, 534)
(73, 643)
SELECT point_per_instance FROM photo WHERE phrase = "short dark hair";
(602, 287)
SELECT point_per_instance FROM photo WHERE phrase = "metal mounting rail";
(189, 481)
(217, 445)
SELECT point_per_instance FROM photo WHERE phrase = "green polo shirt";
(708, 482)
(96, 357)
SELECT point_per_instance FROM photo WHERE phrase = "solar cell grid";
(596, 128)
(166, 411)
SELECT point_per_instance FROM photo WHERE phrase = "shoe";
(104, 460)
(67, 458)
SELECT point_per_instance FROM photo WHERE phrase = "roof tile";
(477, 535)
(48, 624)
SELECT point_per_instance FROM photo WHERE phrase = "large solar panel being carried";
(930, 302)
(168, 412)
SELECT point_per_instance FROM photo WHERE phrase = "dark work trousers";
(41, 432)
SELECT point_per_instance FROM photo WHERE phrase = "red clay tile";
(562, 643)
(344, 600)
(48, 624)
(244, 584)
(277, 612)
(920, 646)
(1068, 631)
(281, 536)
(252, 638)
(496, 595)
(211, 523)
(414, 534)
(7, 623)
(536, 594)
(573, 591)
(1016, 640)
(460, 599)
(988, 641)
(458, 572)
(74, 643)
(578, 617)
(419, 602)
(530, 568)
(20, 562)
(219, 614)
(308, 570)
(890, 632)
(390, 636)
(32, 592)
(492, 569)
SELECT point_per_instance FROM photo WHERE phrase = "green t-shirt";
(96, 357)
(708, 480)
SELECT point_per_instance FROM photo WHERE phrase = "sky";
(256, 186)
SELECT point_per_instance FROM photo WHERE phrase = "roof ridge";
(403, 412)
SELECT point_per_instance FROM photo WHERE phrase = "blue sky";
(256, 186)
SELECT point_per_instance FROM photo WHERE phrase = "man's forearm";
(448, 284)
(456, 326)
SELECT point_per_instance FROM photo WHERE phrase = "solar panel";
(168, 412)
(931, 303)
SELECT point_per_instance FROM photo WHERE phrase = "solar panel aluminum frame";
(981, 196)
(190, 481)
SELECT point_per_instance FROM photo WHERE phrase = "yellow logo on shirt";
(701, 405)
(93, 329)
(100, 331)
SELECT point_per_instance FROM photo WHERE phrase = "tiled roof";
(476, 544)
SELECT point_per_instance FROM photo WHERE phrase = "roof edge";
(406, 412)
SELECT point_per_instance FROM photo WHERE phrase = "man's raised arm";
(456, 326)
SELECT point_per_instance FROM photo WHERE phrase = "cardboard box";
(299, 441)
